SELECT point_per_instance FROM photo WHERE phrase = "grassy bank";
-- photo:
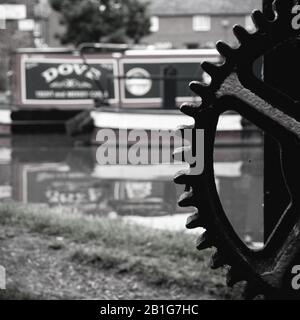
(157, 259)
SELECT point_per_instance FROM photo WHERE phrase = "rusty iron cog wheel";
(234, 87)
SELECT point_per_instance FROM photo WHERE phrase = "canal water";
(60, 171)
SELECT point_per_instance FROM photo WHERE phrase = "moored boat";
(132, 89)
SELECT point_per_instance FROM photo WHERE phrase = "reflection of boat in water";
(57, 184)
(142, 190)
(60, 175)
(51, 170)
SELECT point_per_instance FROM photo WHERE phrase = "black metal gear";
(234, 87)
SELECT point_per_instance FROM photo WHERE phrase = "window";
(2, 18)
(249, 25)
(201, 23)
(154, 21)
(26, 25)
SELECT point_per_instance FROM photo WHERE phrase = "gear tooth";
(241, 33)
(189, 109)
(182, 154)
(210, 68)
(217, 261)
(204, 242)
(259, 20)
(194, 221)
(233, 277)
(186, 200)
(182, 178)
(200, 89)
(224, 49)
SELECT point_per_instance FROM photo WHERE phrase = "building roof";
(192, 7)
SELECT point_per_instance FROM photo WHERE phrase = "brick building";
(12, 35)
(186, 24)
(20, 27)
(175, 24)
(198, 23)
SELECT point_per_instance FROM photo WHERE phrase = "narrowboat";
(137, 89)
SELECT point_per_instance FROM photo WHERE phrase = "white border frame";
(157, 61)
(60, 102)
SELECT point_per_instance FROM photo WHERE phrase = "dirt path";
(41, 267)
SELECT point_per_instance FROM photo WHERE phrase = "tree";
(115, 21)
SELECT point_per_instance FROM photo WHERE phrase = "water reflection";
(59, 171)
(240, 185)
